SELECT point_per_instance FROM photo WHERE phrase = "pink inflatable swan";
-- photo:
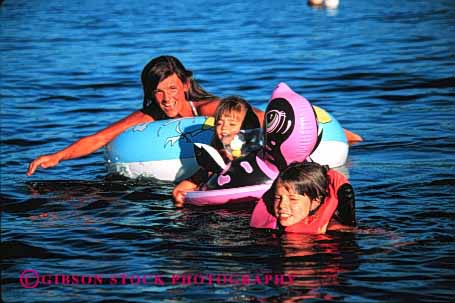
(290, 134)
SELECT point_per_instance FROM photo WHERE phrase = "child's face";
(290, 207)
(229, 125)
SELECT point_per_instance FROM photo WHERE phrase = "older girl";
(305, 198)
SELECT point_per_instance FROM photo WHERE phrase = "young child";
(232, 115)
(305, 198)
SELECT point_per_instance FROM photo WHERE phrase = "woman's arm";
(89, 144)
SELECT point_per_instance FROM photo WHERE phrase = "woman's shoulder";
(206, 107)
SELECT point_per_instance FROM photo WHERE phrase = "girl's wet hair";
(235, 104)
(159, 69)
(305, 178)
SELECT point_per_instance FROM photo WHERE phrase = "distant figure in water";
(331, 3)
(169, 92)
(324, 3)
(316, 2)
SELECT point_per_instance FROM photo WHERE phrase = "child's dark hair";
(235, 104)
(305, 178)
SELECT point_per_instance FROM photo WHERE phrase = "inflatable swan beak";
(209, 158)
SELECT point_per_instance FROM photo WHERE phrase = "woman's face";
(229, 125)
(170, 95)
(290, 207)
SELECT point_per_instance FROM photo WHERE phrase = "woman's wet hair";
(235, 104)
(305, 178)
(159, 69)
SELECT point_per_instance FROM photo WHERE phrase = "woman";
(169, 92)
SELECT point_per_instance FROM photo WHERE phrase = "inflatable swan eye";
(279, 124)
(290, 128)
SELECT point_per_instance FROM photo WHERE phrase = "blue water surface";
(384, 69)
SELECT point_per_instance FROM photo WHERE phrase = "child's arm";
(190, 184)
(180, 191)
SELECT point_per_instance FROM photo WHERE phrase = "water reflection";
(316, 262)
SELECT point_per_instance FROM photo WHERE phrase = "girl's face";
(170, 95)
(290, 207)
(228, 125)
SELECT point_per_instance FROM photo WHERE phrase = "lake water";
(384, 69)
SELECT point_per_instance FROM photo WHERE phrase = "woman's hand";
(44, 162)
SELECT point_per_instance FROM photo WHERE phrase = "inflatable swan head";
(290, 134)
(290, 128)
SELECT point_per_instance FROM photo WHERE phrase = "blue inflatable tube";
(164, 149)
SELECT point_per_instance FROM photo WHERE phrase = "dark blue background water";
(385, 69)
